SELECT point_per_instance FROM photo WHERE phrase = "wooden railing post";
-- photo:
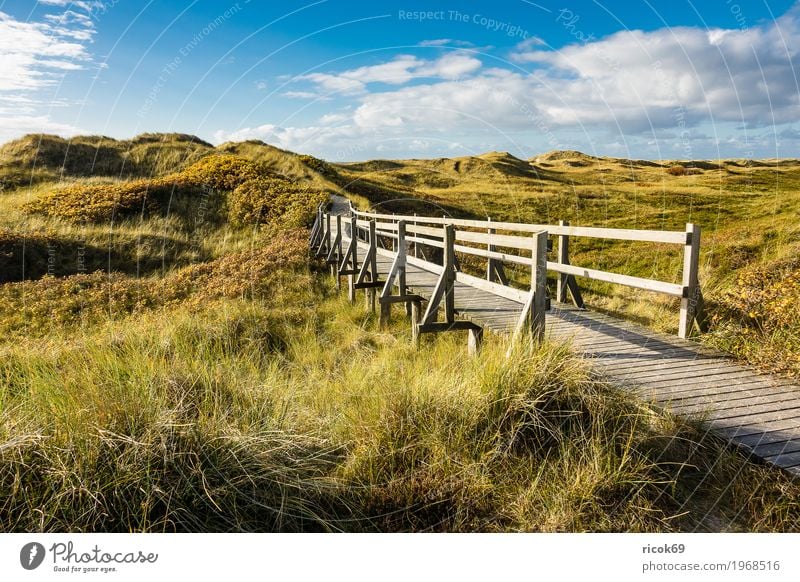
(397, 274)
(443, 292)
(563, 258)
(450, 273)
(373, 265)
(416, 246)
(316, 227)
(351, 277)
(566, 282)
(539, 284)
(325, 226)
(327, 241)
(691, 289)
(532, 317)
(336, 253)
(494, 268)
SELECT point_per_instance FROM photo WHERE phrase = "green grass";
(208, 378)
(747, 211)
(257, 417)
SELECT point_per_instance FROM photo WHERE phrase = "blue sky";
(359, 80)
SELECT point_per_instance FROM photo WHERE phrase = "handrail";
(658, 236)
(421, 231)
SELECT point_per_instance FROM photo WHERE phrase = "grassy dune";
(296, 413)
(208, 378)
(747, 210)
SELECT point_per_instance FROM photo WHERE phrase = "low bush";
(255, 194)
(757, 319)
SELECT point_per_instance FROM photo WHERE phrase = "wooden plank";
(689, 301)
(496, 240)
(672, 289)
(670, 237)
(787, 459)
(768, 450)
(731, 401)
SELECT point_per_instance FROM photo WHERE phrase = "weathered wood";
(628, 280)
(755, 412)
(397, 273)
(495, 273)
(691, 291)
(444, 286)
(474, 340)
(566, 282)
(441, 326)
(532, 317)
(671, 237)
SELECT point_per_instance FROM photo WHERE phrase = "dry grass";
(295, 413)
(746, 209)
(210, 380)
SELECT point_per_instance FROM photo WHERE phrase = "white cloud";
(33, 53)
(633, 87)
(398, 71)
(635, 77)
(449, 42)
(13, 126)
(35, 56)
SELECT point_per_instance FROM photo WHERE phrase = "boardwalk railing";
(522, 244)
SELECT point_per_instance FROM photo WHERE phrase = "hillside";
(171, 359)
(747, 210)
(38, 157)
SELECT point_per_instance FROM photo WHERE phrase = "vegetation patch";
(52, 304)
(258, 194)
(758, 318)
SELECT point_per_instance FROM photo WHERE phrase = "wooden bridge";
(414, 261)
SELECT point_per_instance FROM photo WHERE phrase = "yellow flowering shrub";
(263, 199)
(97, 202)
(758, 318)
(256, 194)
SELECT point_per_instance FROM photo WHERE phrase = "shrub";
(99, 202)
(261, 200)
(757, 319)
(677, 171)
(36, 308)
(257, 195)
(220, 172)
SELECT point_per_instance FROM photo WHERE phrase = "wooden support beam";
(335, 254)
(691, 290)
(443, 292)
(369, 285)
(397, 273)
(441, 326)
(349, 264)
(495, 272)
(315, 229)
(532, 317)
(324, 243)
(474, 340)
(402, 299)
(566, 281)
(369, 268)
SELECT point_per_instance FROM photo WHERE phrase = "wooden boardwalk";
(756, 412)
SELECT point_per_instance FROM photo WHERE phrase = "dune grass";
(747, 211)
(208, 378)
(296, 413)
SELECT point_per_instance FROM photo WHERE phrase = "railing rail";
(513, 245)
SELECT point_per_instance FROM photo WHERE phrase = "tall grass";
(297, 414)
